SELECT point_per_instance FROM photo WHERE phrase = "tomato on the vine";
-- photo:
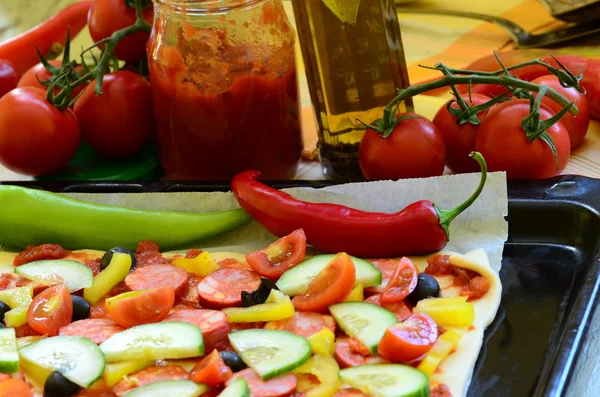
(459, 138)
(8, 77)
(38, 74)
(108, 16)
(503, 142)
(577, 125)
(120, 121)
(407, 341)
(36, 138)
(415, 149)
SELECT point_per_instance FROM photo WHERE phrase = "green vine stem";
(404, 93)
(62, 99)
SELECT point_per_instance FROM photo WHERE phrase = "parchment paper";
(483, 225)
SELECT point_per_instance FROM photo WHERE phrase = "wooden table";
(17, 16)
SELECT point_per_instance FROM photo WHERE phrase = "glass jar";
(354, 63)
(224, 88)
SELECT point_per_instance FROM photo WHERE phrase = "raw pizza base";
(456, 370)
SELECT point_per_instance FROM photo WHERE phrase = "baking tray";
(549, 275)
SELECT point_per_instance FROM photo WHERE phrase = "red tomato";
(8, 77)
(212, 370)
(407, 341)
(504, 144)
(108, 16)
(141, 307)
(37, 74)
(278, 257)
(415, 149)
(576, 126)
(346, 356)
(35, 137)
(50, 310)
(402, 282)
(332, 285)
(119, 122)
(459, 138)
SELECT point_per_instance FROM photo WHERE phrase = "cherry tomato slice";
(50, 310)
(212, 370)
(15, 388)
(141, 307)
(332, 285)
(407, 341)
(278, 257)
(402, 282)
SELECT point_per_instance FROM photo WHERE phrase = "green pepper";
(34, 217)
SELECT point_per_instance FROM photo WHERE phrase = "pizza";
(266, 323)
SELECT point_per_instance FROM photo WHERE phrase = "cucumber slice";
(364, 321)
(9, 356)
(79, 359)
(295, 281)
(270, 353)
(179, 388)
(155, 341)
(237, 388)
(387, 380)
(73, 274)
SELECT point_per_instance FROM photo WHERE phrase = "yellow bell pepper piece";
(202, 265)
(107, 279)
(357, 294)
(25, 340)
(448, 312)
(439, 351)
(18, 299)
(326, 369)
(114, 372)
(323, 342)
(36, 373)
(278, 306)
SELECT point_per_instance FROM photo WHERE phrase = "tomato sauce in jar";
(224, 88)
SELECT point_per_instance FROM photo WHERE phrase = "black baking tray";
(549, 275)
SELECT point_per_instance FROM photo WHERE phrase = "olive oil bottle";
(354, 61)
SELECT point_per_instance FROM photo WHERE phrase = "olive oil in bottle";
(354, 61)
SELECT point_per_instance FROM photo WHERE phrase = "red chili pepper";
(49, 37)
(419, 228)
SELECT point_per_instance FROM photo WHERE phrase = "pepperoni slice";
(400, 309)
(156, 276)
(223, 287)
(347, 355)
(212, 323)
(231, 263)
(147, 376)
(303, 323)
(387, 267)
(191, 297)
(96, 329)
(276, 387)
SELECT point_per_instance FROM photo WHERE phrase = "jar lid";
(90, 166)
